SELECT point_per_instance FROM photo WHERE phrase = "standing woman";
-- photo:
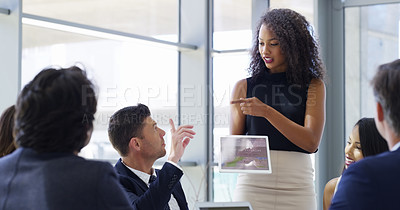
(283, 99)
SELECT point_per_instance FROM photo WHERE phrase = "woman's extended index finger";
(240, 100)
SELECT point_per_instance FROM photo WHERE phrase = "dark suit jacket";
(155, 197)
(371, 183)
(58, 181)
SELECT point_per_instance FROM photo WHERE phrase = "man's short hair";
(386, 86)
(126, 123)
(55, 111)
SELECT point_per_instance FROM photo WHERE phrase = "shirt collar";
(143, 176)
(395, 147)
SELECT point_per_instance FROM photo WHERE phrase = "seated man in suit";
(139, 141)
(53, 122)
(374, 182)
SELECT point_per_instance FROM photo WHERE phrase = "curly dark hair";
(297, 42)
(55, 111)
(126, 123)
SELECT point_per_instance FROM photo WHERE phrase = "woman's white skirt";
(289, 187)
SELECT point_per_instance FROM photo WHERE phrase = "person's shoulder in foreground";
(58, 181)
(53, 122)
(374, 182)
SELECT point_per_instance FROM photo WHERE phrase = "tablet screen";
(244, 154)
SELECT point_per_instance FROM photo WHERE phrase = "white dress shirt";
(395, 147)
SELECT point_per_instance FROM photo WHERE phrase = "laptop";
(223, 206)
(244, 154)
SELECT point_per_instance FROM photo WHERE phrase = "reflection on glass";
(124, 73)
(371, 39)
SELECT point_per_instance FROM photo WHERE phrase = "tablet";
(244, 154)
(223, 206)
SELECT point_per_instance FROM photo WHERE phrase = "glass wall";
(371, 39)
(125, 73)
(232, 30)
(305, 7)
(228, 69)
(142, 17)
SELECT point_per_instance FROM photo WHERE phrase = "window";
(305, 7)
(371, 39)
(232, 31)
(125, 72)
(143, 17)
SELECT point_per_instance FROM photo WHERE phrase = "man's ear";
(135, 143)
(379, 112)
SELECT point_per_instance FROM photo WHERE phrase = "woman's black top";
(288, 99)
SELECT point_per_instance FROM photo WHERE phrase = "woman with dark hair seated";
(7, 145)
(363, 141)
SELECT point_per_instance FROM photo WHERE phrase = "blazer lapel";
(124, 171)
